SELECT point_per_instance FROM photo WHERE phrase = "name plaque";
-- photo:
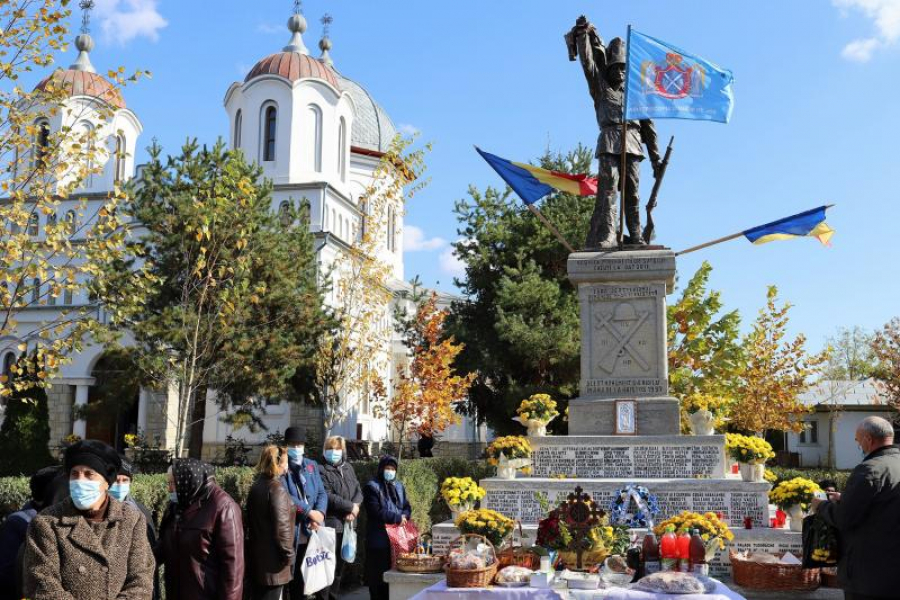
(628, 462)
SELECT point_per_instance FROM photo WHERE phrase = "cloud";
(450, 263)
(270, 29)
(408, 130)
(885, 15)
(414, 240)
(125, 20)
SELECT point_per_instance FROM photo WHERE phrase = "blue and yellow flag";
(810, 223)
(664, 82)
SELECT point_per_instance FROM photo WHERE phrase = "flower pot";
(795, 512)
(753, 472)
(535, 428)
(458, 509)
(703, 423)
(506, 472)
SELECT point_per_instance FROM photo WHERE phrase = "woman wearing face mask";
(121, 491)
(305, 488)
(344, 499)
(386, 504)
(201, 537)
(89, 546)
(270, 527)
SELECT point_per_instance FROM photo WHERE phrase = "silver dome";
(372, 128)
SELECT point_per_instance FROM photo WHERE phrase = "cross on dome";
(297, 26)
(325, 44)
(84, 42)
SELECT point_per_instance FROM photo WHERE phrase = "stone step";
(629, 457)
(754, 540)
(517, 499)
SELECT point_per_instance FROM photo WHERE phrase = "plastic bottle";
(650, 551)
(669, 550)
(698, 555)
(684, 552)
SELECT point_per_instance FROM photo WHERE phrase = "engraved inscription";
(651, 386)
(632, 461)
(621, 264)
(619, 292)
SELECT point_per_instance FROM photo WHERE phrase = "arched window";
(68, 299)
(9, 361)
(334, 222)
(52, 218)
(312, 158)
(340, 229)
(35, 290)
(121, 150)
(41, 142)
(238, 123)
(34, 225)
(284, 214)
(85, 136)
(71, 219)
(342, 149)
(270, 127)
(325, 223)
(390, 228)
(51, 293)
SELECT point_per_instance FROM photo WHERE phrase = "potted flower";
(489, 523)
(751, 453)
(793, 497)
(461, 494)
(535, 412)
(713, 530)
(509, 454)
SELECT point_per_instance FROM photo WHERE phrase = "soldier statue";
(604, 69)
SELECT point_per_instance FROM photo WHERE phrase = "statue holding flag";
(604, 69)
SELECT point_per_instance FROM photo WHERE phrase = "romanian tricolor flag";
(810, 223)
(533, 183)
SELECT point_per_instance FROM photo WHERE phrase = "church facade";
(318, 135)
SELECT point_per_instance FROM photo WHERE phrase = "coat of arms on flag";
(674, 78)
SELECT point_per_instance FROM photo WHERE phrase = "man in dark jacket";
(867, 515)
(305, 488)
(386, 504)
(13, 530)
(344, 499)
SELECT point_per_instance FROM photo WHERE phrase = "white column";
(79, 428)
(143, 400)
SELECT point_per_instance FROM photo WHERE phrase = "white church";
(317, 135)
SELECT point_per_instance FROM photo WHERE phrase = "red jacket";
(203, 549)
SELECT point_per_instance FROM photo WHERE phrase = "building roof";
(294, 66)
(80, 79)
(373, 129)
(845, 393)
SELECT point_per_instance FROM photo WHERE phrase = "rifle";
(648, 230)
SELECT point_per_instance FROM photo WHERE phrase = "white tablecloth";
(440, 591)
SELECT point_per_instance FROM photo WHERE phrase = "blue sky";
(815, 83)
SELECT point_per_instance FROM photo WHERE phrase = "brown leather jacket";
(202, 549)
(270, 532)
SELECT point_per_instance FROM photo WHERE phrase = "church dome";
(372, 128)
(81, 79)
(294, 66)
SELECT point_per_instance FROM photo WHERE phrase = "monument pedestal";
(622, 296)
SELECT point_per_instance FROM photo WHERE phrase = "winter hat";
(294, 435)
(96, 455)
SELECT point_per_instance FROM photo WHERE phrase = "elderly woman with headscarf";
(89, 546)
(201, 538)
(386, 504)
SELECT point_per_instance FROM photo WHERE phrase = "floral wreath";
(647, 507)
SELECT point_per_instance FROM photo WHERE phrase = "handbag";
(319, 560)
(348, 544)
(403, 538)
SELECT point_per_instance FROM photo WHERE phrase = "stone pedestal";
(623, 340)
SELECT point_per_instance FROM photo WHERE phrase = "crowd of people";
(84, 536)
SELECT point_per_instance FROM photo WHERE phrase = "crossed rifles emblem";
(622, 324)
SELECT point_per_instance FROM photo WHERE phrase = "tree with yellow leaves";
(776, 372)
(53, 243)
(430, 388)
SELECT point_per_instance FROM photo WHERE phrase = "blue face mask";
(295, 454)
(120, 491)
(84, 492)
(173, 497)
(390, 475)
(334, 456)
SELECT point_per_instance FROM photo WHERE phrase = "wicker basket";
(421, 563)
(471, 578)
(830, 578)
(516, 555)
(772, 576)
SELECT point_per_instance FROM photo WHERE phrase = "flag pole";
(550, 226)
(622, 178)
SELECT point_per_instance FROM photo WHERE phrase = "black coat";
(343, 491)
(868, 519)
(386, 504)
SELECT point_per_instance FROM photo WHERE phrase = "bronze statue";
(604, 69)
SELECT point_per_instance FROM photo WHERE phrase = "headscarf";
(191, 479)
(388, 486)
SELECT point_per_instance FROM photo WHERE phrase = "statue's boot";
(635, 233)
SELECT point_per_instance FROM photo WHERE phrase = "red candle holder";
(735, 469)
(748, 522)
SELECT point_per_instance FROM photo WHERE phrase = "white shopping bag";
(319, 561)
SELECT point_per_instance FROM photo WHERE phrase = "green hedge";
(421, 478)
(817, 475)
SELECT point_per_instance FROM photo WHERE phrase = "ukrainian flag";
(806, 224)
(533, 183)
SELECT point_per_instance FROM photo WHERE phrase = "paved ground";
(357, 594)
